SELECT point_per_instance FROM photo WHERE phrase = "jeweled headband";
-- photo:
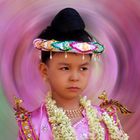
(69, 46)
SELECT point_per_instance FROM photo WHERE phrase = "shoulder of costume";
(112, 107)
(109, 117)
(24, 120)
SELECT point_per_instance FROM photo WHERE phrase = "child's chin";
(73, 94)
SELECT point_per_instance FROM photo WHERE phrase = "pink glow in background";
(116, 24)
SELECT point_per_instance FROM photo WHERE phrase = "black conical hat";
(67, 20)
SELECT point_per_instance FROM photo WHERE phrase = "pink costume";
(41, 129)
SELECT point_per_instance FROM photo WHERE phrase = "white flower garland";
(114, 131)
(61, 125)
(62, 128)
(96, 131)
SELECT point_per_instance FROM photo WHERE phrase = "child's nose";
(74, 76)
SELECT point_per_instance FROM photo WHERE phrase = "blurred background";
(116, 24)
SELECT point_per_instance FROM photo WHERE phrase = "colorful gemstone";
(26, 127)
(29, 135)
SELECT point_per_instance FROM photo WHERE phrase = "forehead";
(72, 58)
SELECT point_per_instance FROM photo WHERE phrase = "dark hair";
(66, 25)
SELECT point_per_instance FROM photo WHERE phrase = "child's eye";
(83, 68)
(64, 68)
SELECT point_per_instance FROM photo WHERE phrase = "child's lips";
(73, 88)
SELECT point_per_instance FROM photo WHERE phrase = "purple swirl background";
(115, 23)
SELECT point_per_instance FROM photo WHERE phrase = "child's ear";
(43, 70)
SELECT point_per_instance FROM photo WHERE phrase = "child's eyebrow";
(62, 63)
(86, 63)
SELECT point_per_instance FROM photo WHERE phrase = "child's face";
(67, 77)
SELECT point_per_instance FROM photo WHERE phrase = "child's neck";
(67, 104)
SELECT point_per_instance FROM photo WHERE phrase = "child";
(66, 53)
